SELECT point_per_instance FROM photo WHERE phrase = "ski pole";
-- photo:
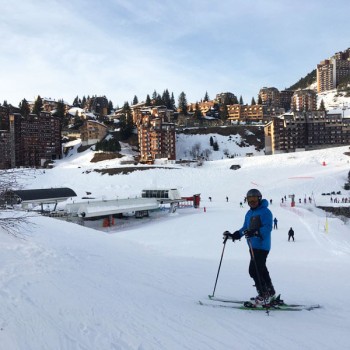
(217, 276)
(255, 264)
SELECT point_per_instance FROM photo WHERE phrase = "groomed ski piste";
(64, 286)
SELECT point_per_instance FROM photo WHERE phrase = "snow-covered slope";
(68, 287)
(335, 102)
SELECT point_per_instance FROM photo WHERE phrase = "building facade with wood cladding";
(156, 135)
(306, 131)
(30, 141)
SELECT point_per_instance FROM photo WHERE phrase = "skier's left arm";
(266, 224)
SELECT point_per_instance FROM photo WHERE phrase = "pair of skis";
(276, 305)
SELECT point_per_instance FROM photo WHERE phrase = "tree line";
(155, 99)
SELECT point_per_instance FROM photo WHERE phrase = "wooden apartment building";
(304, 131)
(92, 132)
(156, 134)
(30, 141)
(245, 113)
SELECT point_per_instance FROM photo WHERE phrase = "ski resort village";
(188, 221)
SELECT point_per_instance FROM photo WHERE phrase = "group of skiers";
(338, 200)
(306, 200)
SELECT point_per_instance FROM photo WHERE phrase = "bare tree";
(14, 224)
(195, 151)
(226, 152)
(206, 153)
(11, 221)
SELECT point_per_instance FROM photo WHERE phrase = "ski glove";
(251, 233)
(234, 236)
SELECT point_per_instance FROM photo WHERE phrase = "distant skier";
(210, 199)
(257, 229)
(290, 234)
(275, 221)
(226, 199)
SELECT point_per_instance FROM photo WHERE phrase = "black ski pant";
(259, 272)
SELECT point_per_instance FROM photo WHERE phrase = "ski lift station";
(151, 199)
(34, 197)
(162, 195)
(92, 209)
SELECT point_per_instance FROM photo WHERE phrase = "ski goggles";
(253, 199)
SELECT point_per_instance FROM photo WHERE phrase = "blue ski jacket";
(259, 218)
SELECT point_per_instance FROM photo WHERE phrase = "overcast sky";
(121, 48)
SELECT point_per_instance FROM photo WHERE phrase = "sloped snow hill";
(67, 287)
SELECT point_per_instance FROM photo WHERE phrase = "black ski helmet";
(254, 193)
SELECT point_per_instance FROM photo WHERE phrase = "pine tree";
(77, 121)
(166, 99)
(76, 102)
(38, 106)
(87, 104)
(172, 102)
(83, 102)
(60, 109)
(110, 107)
(183, 103)
(259, 100)
(126, 123)
(206, 97)
(223, 112)
(253, 101)
(322, 106)
(24, 108)
(158, 101)
(227, 100)
(197, 112)
(135, 101)
(241, 100)
(154, 97)
(148, 101)
(111, 145)
(303, 83)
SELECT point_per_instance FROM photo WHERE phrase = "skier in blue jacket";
(257, 229)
